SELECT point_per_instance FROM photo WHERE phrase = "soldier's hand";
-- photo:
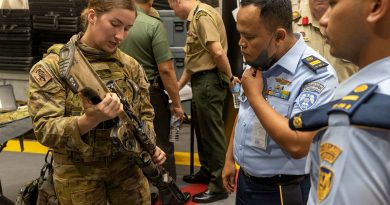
(159, 156)
(234, 81)
(229, 176)
(109, 108)
(177, 111)
(252, 82)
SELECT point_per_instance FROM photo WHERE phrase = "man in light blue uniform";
(350, 159)
(295, 78)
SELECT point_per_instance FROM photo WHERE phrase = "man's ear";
(280, 34)
(378, 9)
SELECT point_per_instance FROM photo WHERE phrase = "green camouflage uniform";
(88, 169)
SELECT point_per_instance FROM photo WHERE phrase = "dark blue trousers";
(250, 192)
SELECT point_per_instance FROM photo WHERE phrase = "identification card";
(259, 135)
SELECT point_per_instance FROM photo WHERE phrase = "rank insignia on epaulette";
(324, 185)
(296, 15)
(314, 63)
(40, 75)
(329, 152)
(349, 103)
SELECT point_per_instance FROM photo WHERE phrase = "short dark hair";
(275, 13)
(142, 1)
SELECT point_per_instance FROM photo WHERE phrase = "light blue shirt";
(292, 87)
(360, 174)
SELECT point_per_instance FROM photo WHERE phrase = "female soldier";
(88, 169)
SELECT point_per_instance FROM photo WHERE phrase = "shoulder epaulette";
(199, 13)
(363, 106)
(349, 103)
(314, 63)
(55, 49)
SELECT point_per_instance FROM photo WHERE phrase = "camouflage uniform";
(314, 37)
(88, 169)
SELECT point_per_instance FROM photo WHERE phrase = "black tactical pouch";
(41, 190)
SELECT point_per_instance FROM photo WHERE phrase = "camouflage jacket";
(54, 109)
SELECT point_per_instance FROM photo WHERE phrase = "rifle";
(80, 76)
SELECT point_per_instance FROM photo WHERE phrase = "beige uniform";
(204, 25)
(313, 36)
(209, 90)
(88, 169)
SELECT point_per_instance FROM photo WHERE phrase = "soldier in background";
(88, 167)
(207, 65)
(306, 16)
(147, 42)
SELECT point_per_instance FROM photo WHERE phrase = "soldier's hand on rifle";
(159, 156)
(109, 108)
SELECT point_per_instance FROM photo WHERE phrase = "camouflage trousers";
(116, 181)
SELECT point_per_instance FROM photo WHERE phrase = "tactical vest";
(99, 137)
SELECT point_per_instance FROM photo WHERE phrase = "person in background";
(286, 77)
(306, 21)
(88, 167)
(147, 42)
(207, 65)
(349, 155)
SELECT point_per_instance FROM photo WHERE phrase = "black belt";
(204, 72)
(281, 179)
(156, 83)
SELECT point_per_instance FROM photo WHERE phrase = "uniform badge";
(307, 100)
(297, 121)
(329, 152)
(314, 63)
(41, 76)
(324, 183)
(313, 86)
(278, 88)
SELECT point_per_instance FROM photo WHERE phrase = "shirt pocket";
(193, 45)
(279, 105)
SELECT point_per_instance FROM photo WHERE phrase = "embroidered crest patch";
(329, 152)
(324, 183)
(307, 100)
(313, 86)
(41, 76)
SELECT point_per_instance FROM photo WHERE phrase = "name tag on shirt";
(259, 135)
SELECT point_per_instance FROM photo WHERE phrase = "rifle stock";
(81, 78)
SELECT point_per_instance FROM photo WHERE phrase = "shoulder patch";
(324, 185)
(40, 75)
(314, 63)
(307, 99)
(329, 152)
(314, 86)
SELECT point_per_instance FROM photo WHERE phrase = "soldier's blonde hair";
(104, 6)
